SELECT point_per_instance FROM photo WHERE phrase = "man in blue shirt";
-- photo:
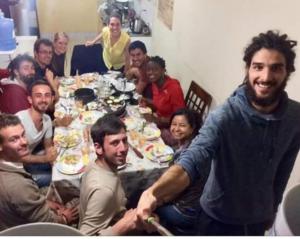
(252, 141)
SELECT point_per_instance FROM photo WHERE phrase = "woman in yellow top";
(115, 44)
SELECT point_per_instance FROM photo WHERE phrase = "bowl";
(85, 95)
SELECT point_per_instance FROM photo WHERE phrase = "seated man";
(22, 69)
(20, 199)
(137, 70)
(43, 54)
(38, 128)
(102, 198)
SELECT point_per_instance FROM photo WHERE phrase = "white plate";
(69, 168)
(67, 139)
(67, 81)
(90, 117)
(151, 132)
(119, 84)
(159, 152)
(65, 92)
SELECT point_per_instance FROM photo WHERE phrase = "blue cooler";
(7, 38)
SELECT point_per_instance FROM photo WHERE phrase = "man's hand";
(51, 154)
(54, 205)
(146, 205)
(127, 223)
(49, 76)
(89, 43)
(71, 214)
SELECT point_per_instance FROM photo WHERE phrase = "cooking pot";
(85, 95)
(136, 25)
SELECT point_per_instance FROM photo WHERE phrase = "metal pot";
(136, 25)
(85, 95)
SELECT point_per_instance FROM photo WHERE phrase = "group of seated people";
(27, 153)
(102, 203)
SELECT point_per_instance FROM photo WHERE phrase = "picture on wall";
(165, 12)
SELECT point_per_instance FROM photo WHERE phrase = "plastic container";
(7, 36)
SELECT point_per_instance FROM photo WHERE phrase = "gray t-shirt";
(33, 136)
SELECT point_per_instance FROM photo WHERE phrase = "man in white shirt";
(38, 127)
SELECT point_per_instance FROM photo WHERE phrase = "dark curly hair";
(158, 60)
(272, 40)
(16, 63)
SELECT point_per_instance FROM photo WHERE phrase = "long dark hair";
(193, 119)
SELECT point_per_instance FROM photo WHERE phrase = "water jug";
(7, 38)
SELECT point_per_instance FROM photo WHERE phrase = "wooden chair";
(198, 99)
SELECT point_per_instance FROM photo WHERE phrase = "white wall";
(208, 37)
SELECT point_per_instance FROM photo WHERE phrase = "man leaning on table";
(102, 198)
(21, 200)
(38, 129)
(252, 141)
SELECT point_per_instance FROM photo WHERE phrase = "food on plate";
(67, 81)
(136, 139)
(151, 132)
(90, 117)
(67, 140)
(131, 123)
(66, 91)
(92, 105)
(70, 164)
(70, 159)
(159, 152)
(145, 110)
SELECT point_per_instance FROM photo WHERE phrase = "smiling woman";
(60, 43)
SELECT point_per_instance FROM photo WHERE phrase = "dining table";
(148, 156)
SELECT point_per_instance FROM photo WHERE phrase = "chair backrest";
(287, 222)
(87, 59)
(198, 99)
(41, 229)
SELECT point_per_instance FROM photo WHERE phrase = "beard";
(28, 80)
(266, 101)
(41, 108)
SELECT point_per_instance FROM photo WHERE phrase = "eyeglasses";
(44, 52)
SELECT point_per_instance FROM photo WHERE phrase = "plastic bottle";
(7, 36)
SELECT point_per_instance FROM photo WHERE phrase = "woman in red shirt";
(167, 95)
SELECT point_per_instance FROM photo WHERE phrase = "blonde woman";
(60, 43)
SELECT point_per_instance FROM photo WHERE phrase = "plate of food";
(159, 152)
(65, 91)
(145, 110)
(91, 116)
(123, 85)
(69, 164)
(131, 123)
(151, 132)
(67, 81)
(60, 112)
(67, 139)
